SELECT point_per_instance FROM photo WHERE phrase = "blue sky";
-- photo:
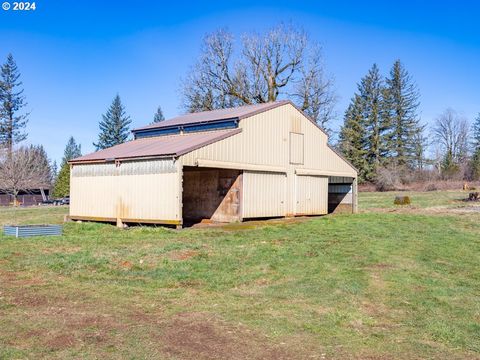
(75, 56)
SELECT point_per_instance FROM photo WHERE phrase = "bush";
(402, 200)
(431, 187)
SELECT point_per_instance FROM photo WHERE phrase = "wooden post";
(119, 223)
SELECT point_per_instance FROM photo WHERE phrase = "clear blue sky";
(76, 55)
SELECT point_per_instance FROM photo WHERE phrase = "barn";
(254, 161)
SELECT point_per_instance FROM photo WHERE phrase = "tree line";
(382, 134)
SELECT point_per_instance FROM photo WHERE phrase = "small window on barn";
(296, 148)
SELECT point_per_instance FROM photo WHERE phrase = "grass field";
(382, 284)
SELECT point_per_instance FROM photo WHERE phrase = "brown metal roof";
(215, 115)
(170, 145)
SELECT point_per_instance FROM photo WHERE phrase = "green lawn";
(375, 285)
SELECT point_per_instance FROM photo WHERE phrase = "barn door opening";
(211, 194)
(340, 194)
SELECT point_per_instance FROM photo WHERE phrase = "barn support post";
(354, 196)
(120, 223)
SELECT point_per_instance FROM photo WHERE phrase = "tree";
(12, 100)
(72, 151)
(279, 63)
(314, 92)
(62, 183)
(352, 138)
(158, 117)
(401, 104)
(450, 131)
(25, 168)
(364, 135)
(114, 127)
(475, 160)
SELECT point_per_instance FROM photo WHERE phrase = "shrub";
(402, 200)
(431, 187)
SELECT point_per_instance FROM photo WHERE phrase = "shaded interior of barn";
(210, 193)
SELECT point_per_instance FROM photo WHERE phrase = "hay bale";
(402, 200)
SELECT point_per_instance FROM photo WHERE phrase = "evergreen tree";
(114, 127)
(158, 117)
(72, 151)
(352, 137)
(54, 168)
(475, 160)
(372, 92)
(401, 104)
(62, 184)
(364, 135)
(12, 100)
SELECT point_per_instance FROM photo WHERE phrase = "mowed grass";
(374, 285)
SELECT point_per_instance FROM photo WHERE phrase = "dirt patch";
(205, 336)
(182, 254)
(60, 342)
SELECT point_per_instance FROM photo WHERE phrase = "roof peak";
(238, 112)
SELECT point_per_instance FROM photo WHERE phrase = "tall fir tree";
(12, 101)
(352, 137)
(114, 127)
(475, 160)
(72, 151)
(401, 105)
(62, 182)
(365, 129)
(158, 117)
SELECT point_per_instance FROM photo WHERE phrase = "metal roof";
(170, 145)
(238, 113)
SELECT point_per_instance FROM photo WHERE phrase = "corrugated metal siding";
(34, 230)
(265, 140)
(312, 195)
(264, 194)
(134, 190)
(296, 148)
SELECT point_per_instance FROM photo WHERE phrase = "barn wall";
(266, 140)
(264, 194)
(135, 190)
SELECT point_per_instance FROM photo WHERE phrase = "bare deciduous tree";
(23, 169)
(281, 62)
(450, 131)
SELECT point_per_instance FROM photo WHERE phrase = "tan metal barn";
(255, 161)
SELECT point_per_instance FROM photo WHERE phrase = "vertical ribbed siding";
(146, 190)
(312, 195)
(264, 194)
(265, 140)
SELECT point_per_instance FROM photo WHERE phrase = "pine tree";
(352, 137)
(72, 151)
(114, 127)
(62, 182)
(402, 101)
(475, 160)
(12, 100)
(54, 168)
(158, 117)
